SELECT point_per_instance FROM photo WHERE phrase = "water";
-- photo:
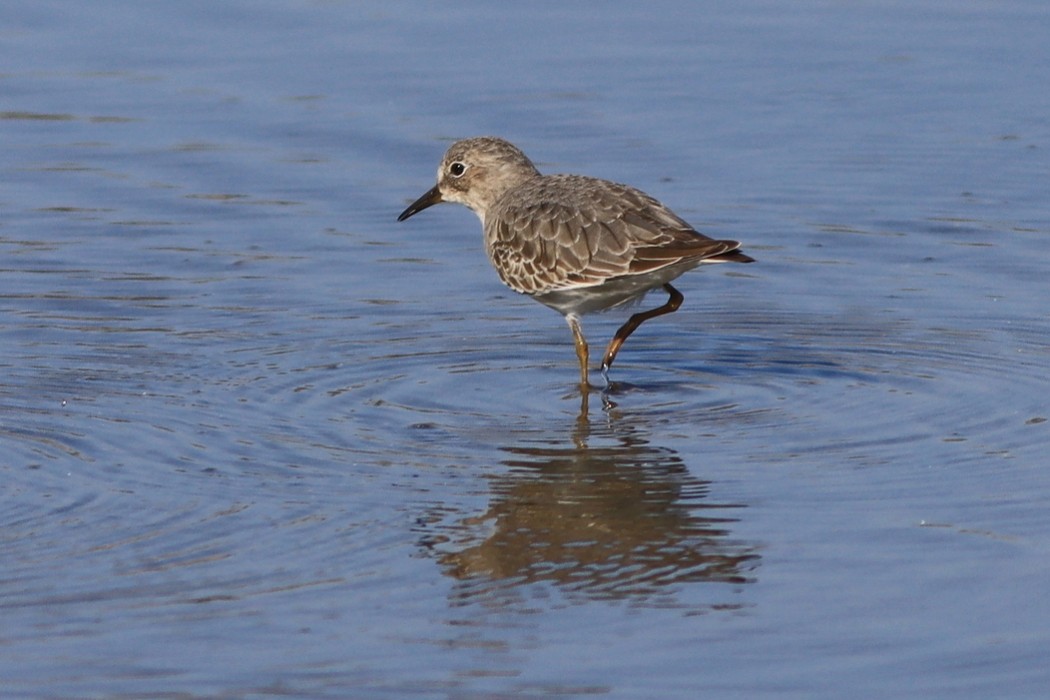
(260, 440)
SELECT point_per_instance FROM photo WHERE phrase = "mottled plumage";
(577, 244)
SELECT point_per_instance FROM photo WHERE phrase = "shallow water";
(258, 439)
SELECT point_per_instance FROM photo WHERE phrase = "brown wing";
(564, 231)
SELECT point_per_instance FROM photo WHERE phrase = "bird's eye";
(457, 169)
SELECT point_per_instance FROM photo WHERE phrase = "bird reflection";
(603, 515)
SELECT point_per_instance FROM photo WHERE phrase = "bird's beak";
(432, 197)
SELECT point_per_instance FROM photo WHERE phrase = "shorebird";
(577, 244)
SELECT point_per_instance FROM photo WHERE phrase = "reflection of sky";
(231, 382)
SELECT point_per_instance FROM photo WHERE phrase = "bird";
(574, 243)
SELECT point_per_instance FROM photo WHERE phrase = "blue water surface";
(258, 439)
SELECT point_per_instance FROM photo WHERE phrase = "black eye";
(457, 169)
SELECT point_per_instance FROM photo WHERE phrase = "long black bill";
(432, 197)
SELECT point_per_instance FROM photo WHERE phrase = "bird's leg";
(581, 347)
(634, 321)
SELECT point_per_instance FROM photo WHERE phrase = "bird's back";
(564, 232)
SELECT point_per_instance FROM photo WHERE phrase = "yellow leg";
(581, 347)
(638, 319)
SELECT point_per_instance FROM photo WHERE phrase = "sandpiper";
(574, 243)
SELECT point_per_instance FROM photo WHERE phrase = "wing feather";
(565, 231)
